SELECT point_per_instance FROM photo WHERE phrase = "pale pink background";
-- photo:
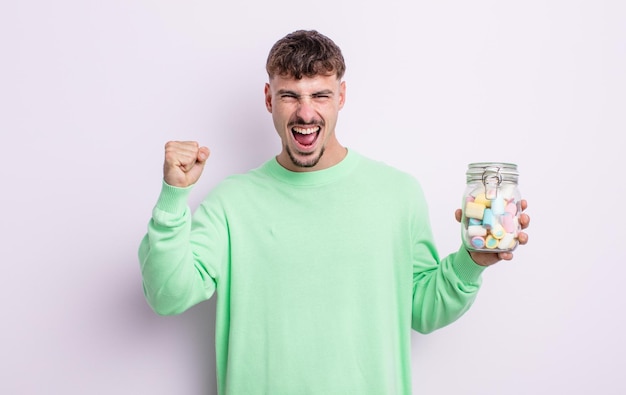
(90, 91)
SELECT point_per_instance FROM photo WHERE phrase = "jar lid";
(477, 171)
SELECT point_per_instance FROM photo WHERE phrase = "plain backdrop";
(90, 91)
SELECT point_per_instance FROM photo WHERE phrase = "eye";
(288, 97)
(321, 97)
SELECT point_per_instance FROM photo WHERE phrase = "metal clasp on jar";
(491, 180)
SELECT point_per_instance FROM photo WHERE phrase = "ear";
(342, 94)
(268, 97)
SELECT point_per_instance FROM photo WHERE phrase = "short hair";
(305, 53)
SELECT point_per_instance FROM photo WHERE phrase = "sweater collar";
(313, 178)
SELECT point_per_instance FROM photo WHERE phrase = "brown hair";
(305, 53)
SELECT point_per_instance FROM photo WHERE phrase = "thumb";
(196, 171)
(203, 155)
(458, 214)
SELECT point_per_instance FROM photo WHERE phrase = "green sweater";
(319, 276)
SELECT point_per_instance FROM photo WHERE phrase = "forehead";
(305, 84)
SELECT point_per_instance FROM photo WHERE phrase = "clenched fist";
(184, 161)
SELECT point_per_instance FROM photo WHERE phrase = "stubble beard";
(311, 162)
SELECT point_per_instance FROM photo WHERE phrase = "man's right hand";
(184, 162)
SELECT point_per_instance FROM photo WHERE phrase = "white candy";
(506, 242)
(507, 191)
(476, 230)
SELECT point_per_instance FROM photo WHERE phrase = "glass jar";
(491, 207)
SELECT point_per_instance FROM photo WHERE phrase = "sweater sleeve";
(173, 262)
(443, 289)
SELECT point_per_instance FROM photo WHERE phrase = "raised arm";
(174, 277)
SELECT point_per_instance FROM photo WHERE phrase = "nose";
(306, 110)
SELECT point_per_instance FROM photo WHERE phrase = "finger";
(522, 237)
(181, 146)
(505, 256)
(524, 220)
(181, 154)
(189, 149)
(457, 214)
(203, 154)
(524, 204)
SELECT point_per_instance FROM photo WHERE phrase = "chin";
(306, 161)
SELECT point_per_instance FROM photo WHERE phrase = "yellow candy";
(498, 231)
(491, 242)
(482, 199)
(474, 210)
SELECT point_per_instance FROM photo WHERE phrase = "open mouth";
(306, 137)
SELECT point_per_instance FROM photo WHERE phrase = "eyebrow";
(288, 92)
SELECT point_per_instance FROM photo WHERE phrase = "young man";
(323, 260)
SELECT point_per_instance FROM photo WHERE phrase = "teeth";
(305, 131)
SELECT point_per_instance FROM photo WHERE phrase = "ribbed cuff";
(468, 271)
(173, 200)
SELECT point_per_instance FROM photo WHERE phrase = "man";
(323, 260)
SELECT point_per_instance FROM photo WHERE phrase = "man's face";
(305, 113)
